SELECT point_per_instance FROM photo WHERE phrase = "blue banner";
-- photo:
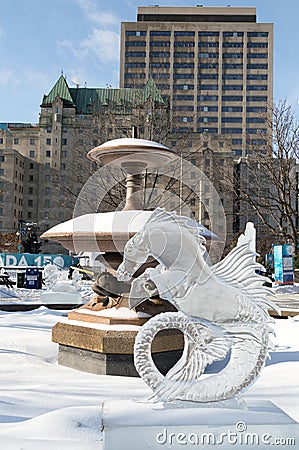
(35, 260)
(283, 264)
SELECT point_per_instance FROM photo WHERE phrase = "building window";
(255, 120)
(257, 55)
(237, 152)
(136, 44)
(159, 44)
(231, 130)
(236, 141)
(30, 178)
(256, 130)
(232, 55)
(159, 65)
(257, 66)
(208, 119)
(183, 54)
(135, 33)
(208, 33)
(48, 153)
(47, 190)
(136, 54)
(208, 65)
(64, 152)
(233, 33)
(257, 34)
(47, 165)
(232, 98)
(207, 130)
(208, 76)
(232, 44)
(232, 87)
(1, 140)
(183, 97)
(157, 33)
(32, 154)
(47, 203)
(2, 158)
(204, 98)
(30, 190)
(208, 55)
(30, 202)
(208, 44)
(16, 141)
(49, 129)
(208, 87)
(32, 141)
(183, 87)
(256, 98)
(207, 108)
(232, 109)
(184, 33)
(63, 166)
(31, 166)
(257, 45)
(260, 109)
(1, 172)
(257, 77)
(233, 76)
(177, 76)
(232, 66)
(48, 141)
(231, 119)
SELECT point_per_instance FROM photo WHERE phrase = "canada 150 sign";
(34, 260)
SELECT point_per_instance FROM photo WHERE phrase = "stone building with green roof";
(49, 158)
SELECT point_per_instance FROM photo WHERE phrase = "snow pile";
(45, 406)
(120, 313)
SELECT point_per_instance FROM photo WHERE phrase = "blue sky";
(40, 38)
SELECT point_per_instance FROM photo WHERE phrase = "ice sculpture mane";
(222, 310)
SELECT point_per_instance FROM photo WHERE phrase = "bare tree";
(265, 183)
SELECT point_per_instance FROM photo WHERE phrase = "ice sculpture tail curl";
(203, 344)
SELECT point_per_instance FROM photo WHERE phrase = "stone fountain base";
(102, 342)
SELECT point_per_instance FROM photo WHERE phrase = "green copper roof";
(60, 89)
(85, 99)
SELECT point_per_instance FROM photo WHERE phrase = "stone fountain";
(99, 337)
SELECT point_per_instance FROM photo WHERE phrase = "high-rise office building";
(214, 64)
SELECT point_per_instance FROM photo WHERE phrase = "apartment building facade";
(213, 64)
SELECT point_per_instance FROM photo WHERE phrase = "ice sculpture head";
(135, 254)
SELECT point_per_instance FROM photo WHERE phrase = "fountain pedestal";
(103, 342)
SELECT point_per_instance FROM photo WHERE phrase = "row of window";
(213, 98)
(200, 44)
(200, 33)
(16, 141)
(189, 65)
(233, 131)
(201, 55)
(256, 109)
(232, 119)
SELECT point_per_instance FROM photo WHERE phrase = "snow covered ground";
(45, 406)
